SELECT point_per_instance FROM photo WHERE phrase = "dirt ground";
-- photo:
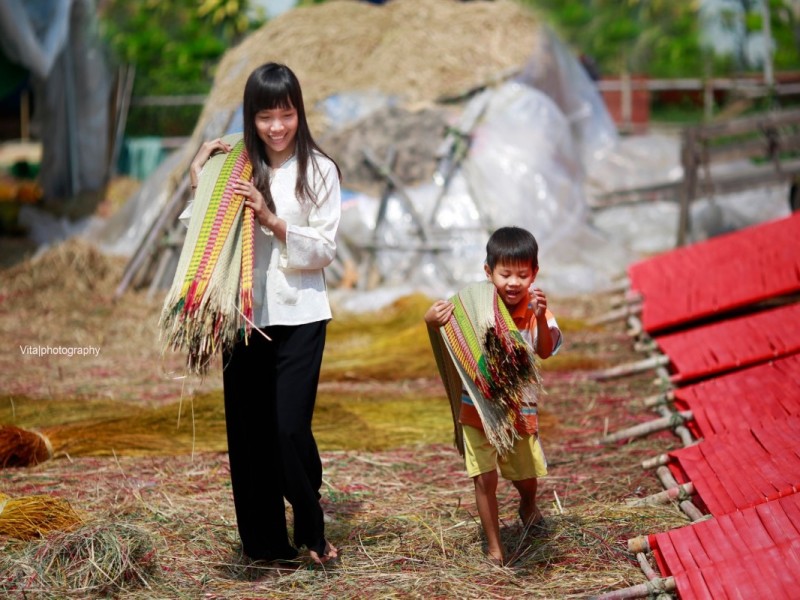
(403, 516)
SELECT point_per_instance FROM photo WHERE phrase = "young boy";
(511, 267)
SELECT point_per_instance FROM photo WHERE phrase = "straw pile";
(416, 50)
(30, 517)
(72, 268)
(100, 559)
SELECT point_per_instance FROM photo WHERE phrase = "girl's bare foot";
(496, 559)
(331, 552)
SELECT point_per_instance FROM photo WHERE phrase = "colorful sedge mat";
(743, 341)
(740, 399)
(726, 272)
(740, 469)
(745, 555)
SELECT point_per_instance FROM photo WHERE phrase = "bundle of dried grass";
(72, 268)
(99, 559)
(30, 517)
(22, 447)
(192, 424)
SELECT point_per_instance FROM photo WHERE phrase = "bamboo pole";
(643, 429)
(617, 314)
(656, 461)
(680, 429)
(643, 590)
(694, 513)
(680, 493)
(634, 326)
(638, 366)
(639, 544)
(659, 399)
(668, 481)
(620, 287)
(648, 570)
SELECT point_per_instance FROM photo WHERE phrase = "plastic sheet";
(556, 72)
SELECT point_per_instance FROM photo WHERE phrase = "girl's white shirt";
(288, 279)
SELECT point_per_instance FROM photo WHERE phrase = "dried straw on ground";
(30, 517)
(100, 559)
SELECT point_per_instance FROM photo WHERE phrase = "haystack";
(417, 51)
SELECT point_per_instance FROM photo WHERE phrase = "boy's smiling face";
(512, 280)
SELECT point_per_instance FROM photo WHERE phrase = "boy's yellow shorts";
(526, 461)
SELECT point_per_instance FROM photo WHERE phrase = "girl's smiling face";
(512, 280)
(277, 128)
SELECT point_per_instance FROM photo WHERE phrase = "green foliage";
(660, 38)
(175, 46)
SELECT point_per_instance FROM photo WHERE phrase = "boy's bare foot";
(497, 560)
(331, 552)
(531, 519)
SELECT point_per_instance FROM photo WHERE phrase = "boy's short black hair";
(512, 245)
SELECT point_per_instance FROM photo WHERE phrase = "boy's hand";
(538, 301)
(439, 313)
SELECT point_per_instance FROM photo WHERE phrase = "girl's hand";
(255, 200)
(538, 301)
(439, 313)
(206, 151)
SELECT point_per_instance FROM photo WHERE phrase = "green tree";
(174, 46)
(662, 38)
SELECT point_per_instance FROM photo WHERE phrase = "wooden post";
(708, 98)
(25, 115)
(689, 187)
(627, 101)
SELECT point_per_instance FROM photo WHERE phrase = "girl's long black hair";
(270, 86)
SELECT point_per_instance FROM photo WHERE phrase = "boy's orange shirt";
(525, 320)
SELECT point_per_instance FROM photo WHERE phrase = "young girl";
(270, 382)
